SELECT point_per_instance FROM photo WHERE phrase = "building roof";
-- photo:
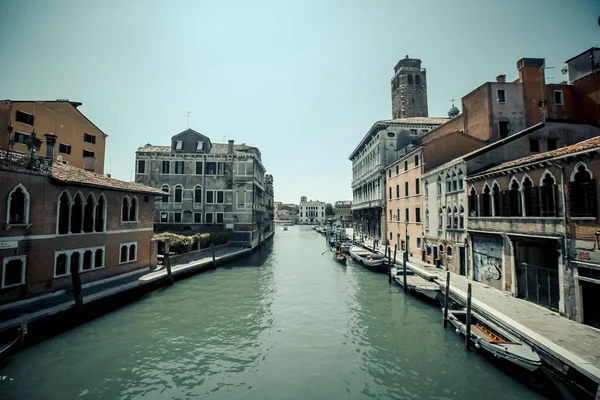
(72, 175)
(585, 146)
(582, 53)
(312, 203)
(217, 148)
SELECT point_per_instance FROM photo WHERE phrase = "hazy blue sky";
(303, 80)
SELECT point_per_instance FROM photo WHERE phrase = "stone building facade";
(409, 89)
(206, 186)
(342, 211)
(311, 212)
(59, 220)
(534, 231)
(383, 144)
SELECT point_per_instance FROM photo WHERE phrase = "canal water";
(286, 323)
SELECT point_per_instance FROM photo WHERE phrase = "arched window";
(132, 252)
(426, 185)
(548, 196)
(123, 257)
(514, 200)
(531, 198)
(198, 194)
(64, 212)
(486, 202)
(583, 201)
(165, 197)
(409, 79)
(448, 217)
(440, 218)
(125, 209)
(427, 219)
(454, 181)
(99, 258)
(133, 209)
(473, 202)
(18, 206)
(448, 183)
(87, 260)
(439, 186)
(496, 200)
(460, 180)
(178, 194)
(455, 218)
(449, 251)
(417, 79)
(461, 220)
(77, 213)
(100, 214)
(88, 214)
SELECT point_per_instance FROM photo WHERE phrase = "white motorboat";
(415, 283)
(372, 261)
(491, 338)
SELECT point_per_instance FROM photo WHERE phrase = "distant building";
(311, 212)
(61, 220)
(287, 213)
(79, 142)
(207, 186)
(342, 211)
(409, 89)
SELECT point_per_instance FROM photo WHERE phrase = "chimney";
(230, 147)
(50, 142)
(501, 78)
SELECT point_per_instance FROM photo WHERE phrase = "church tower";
(409, 89)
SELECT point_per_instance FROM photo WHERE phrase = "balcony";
(542, 226)
(22, 162)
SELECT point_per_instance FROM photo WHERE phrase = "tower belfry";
(409, 89)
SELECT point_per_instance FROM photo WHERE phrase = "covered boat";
(491, 338)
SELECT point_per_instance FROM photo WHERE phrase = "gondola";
(12, 339)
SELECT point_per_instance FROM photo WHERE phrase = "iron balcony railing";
(24, 162)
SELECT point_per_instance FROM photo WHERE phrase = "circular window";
(391, 134)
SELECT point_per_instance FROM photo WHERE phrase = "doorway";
(590, 297)
(462, 261)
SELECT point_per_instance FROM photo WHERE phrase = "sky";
(302, 80)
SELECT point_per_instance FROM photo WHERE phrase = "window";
(88, 214)
(100, 211)
(409, 79)
(133, 210)
(414, 132)
(220, 168)
(496, 200)
(165, 197)
(211, 168)
(548, 196)
(21, 137)
(199, 145)
(88, 153)
(391, 237)
(397, 191)
(179, 167)
(486, 202)
(454, 182)
(197, 218)
(390, 192)
(64, 148)
(64, 211)
(558, 98)
(18, 206)
(198, 167)
(427, 219)
(60, 265)
(552, 144)
(418, 242)
(391, 134)
(512, 203)
(87, 260)
(531, 197)
(177, 217)
(178, 145)
(128, 253)
(449, 251)
(24, 118)
(534, 145)
(406, 215)
(417, 79)
(398, 214)
(448, 217)
(440, 218)
(219, 218)
(397, 169)
(77, 213)
(406, 165)
(416, 160)
(13, 271)
(178, 194)
(198, 194)
(389, 173)
(208, 218)
(210, 197)
(448, 183)
(582, 193)
(504, 128)
(125, 209)
(473, 202)
(166, 167)
(220, 197)
(406, 188)
(460, 180)
(439, 186)
(461, 220)
(89, 138)
(501, 95)
(418, 214)
(141, 167)
(454, 218)
(390, 214)
(164, 217)
(417, 186)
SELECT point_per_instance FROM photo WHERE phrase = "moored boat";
(491, 338)
(415, 283)
(339, 257)
(285, 228)
(12, 339)
(371, 261)
(346, 246)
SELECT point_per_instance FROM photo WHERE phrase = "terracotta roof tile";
(68, 174)
(589, 144)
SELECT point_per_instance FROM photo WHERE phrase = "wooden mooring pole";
(468, 320)
(214, 261)
(447, 299)
(405, 256)
(390, 265)
(167, 262)
(76, 279)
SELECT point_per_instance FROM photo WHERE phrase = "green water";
(286, 323)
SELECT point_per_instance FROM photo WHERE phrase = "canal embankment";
(569, 349)
(39, 313)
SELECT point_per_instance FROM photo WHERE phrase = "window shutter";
(534, 208)
(592, 198)
(572, 208)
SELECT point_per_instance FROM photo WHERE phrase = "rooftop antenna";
(188, 119)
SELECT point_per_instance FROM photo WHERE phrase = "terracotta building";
(80, 143)
(534, 229)
(59, 218)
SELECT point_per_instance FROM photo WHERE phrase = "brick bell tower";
(409, 89)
